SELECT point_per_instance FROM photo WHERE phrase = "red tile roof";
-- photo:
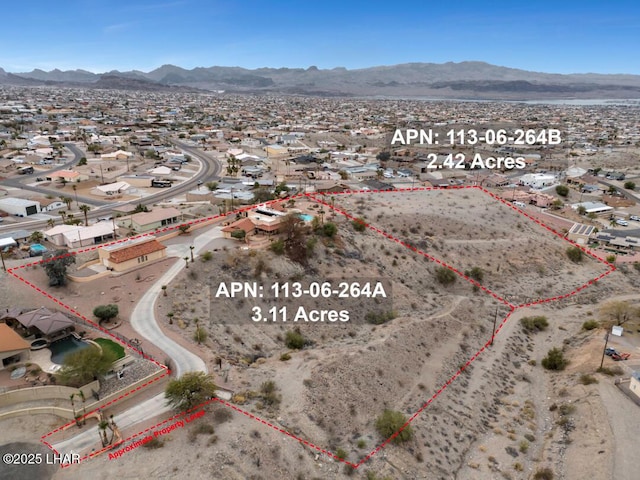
(245, 224)
(135, 251)
(10, 340)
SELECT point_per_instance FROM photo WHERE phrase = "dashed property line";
(420, 252)
(264, 422)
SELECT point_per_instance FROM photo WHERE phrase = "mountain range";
(463, 80)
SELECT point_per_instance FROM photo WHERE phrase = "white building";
(74, 236)
(538, 180)
(19, 206)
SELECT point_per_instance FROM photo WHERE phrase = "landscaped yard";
(108, 344)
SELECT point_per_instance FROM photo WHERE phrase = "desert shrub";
(341, 453)
(329, 229)
(575, 254)
(611, 371)
(277, 247)
(587, 379)
(206, 256)
(294, 340)
(445, 276)
(524, 446)
(590, 325)
(268, 392)
(390, 422)
(611, 258)
(285, 356)
(476, 273)
(154, 443)
(543, 474)
(555, 360)
(534, 324)
(359, 225)
(378, 318)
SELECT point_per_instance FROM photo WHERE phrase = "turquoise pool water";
(38, 249)
(62, 348)
(306, 217)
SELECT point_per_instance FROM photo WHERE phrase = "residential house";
(581, 234)
(117, 155)
(13, 348)
(67, 176)
(74, 236)
(111, 190)
(149, 221)
(42, 322)
(131, 253)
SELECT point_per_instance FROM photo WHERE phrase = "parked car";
(610, 351)
(635, 218)
(621, 222)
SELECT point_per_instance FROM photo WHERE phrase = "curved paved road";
(144, 322)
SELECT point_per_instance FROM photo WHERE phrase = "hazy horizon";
(550, 37)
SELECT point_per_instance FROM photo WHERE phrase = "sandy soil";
(502, 417)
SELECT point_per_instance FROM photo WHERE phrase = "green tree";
(190, 390)
(554, 360)
(630, 185)
(55, 265)
(619, 311)
(391, 422)
(82, 161)
(36, 237)
(106, 312)
(581, 210)
(82, 366)
(562, 190)
(383, 156)
(212, 186)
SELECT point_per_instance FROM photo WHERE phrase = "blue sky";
(561, 36)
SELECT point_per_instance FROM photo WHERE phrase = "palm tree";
(84, 209)
(51, 223)
(75, 191)
(66, 200)
(103, 432)
(62, 214)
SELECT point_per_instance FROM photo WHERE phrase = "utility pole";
(493, 332)
(4, 267)
(604, 350)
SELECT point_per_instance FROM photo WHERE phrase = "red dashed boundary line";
(320, 198)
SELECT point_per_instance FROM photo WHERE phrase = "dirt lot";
(502, 417)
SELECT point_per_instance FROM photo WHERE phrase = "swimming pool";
(306, 217)
(37, 249)
(62, 348)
